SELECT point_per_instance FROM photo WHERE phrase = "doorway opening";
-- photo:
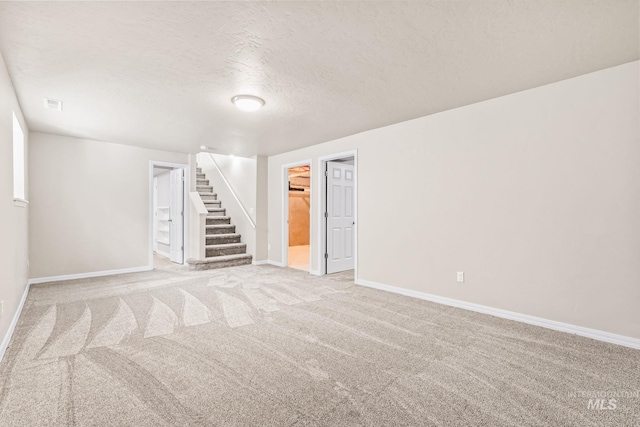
(168, 218)
(338, 213)
(297, 203)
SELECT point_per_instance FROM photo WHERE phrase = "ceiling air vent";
(52, 104)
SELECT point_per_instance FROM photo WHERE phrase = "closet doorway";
(168, 217)
(298, 201)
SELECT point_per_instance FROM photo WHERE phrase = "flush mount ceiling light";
(247, 102)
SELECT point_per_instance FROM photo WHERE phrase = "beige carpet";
(266, 346)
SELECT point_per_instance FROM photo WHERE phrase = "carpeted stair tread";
(214, 229)
(225, 249)
(226, 245)
(213, 239)
(222, 236)
(219, 261)
(227, 257)
(218, 219)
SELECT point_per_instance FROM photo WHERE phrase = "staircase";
(223, 247)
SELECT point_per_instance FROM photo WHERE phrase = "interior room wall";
(14, 250)
(262, 208)
(535, 196)
(299, 204)
(89, 204)
(240, 172)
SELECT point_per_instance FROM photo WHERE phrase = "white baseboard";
(524, 318)
(268, 262)
(315, 273)
(14, 322)
(88, 275)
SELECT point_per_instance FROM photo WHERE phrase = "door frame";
(285, 209)
(321, 203)
(185, 202)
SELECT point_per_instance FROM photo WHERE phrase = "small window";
(18, 162)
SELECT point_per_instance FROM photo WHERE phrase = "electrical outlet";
(460, 277)
(268, 246)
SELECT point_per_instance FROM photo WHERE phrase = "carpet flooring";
(269, 346)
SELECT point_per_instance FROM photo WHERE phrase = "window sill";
(21, 203)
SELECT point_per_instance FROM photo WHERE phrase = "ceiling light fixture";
(247, 102)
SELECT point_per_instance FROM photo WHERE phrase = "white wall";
(262, 208)
(14, 233)
(241, 175)
(535, 196)
(89, 204)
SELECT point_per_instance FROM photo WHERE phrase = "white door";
(155, 214)
(176, 215)
(340, 219)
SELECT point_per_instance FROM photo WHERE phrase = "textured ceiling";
(161, 74)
